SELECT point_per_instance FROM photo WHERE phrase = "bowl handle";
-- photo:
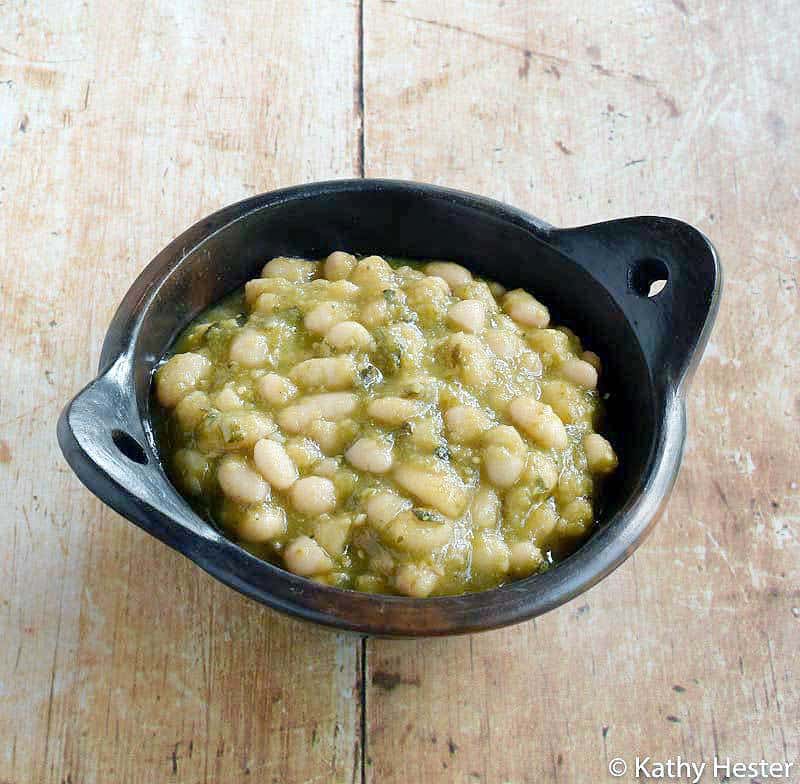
(666, 277)
(101, 435)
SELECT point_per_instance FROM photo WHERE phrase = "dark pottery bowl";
(595, 279)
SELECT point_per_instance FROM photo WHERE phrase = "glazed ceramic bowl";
(595, 279)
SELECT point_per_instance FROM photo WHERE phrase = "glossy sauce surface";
(386, 426)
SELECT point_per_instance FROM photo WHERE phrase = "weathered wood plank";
(119, 126)
(578, 115)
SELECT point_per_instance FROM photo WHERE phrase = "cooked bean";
(303, 451)
(454, 274)
(339, 265)
(369, 454)
(296, 270)
(250, 349)
(539, 421)
(255, 288)
(467, 355)
(394, 411)
(240, 482)
(384, 506)
(468, 315)
(180, 375)
(191, 410)
(193, 469)
(490, 553)
(525, 309)
(439, 487)
(330, 405)
(372, 274)
(332, 533)
(305, 557)
(568, 402)
(332, 437)
(410, 534)
(525, 558)
(233, 430)
(600, 455)
(261, 523)
(507, 437)
(466, 424)
(313, 495)
(415, 580)
(578, 512)
(374, 313)
(332, 373)
(348, 335)
(504, 344)
(579, 372)
(326, 315)
(275, 390)
(274, 464)
(485, 508)
(503, 468)
(227, 399)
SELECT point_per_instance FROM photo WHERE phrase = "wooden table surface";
(122, 123)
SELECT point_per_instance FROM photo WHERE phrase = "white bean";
(410, 534)
(331, 405)
(325, 315)
(374, 313)
(466, 424)
(313, 495)
(600, 455)
(504, 344)
(296, 270)
(261, 523)
(275, 390)
(348, 335)
(394, 411)
(332, 533)
(305, 557)
(490, 553)
(330, 372)
(468, 315)
(180, 375)
(525, 559)
(274, 464)
(539, 421)
(454, 274)
(503, 468)
(415, 580)
(525, 309)
(240, 482)
(250, 349)
(579, 372)
(485, 508)
(192, 409)
(227, 399)
(370, 454)
(384, 506)
(440, 488)
(339, 265)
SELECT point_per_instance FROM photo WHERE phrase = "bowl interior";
(493, 242)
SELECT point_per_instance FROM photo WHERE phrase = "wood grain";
(579, 115)
(121, 125)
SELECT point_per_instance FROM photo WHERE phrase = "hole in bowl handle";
(102, 438)
(666, 277)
